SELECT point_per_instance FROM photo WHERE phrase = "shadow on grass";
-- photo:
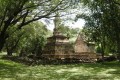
(34, 62)
(83, 77)
(9, 69)
(28, 61)
(105, 65)
(17, 59)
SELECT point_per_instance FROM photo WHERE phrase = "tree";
(30, 39)
(12, 42)
(23, 12)
(103, 22)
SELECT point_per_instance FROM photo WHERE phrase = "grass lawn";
(98, 71)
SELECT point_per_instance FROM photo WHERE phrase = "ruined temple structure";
(84, 51)
(58, 47)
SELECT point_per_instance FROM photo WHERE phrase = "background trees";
(103, 23)
(28, 40)
(69, 32)
(22, 12)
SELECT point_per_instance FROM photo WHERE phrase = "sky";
(72, 24)
(78, 24)
(68, 19)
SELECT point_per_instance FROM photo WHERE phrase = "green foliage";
(102, 24)
(31, 39)
(20, 13)
(35, 38)
(69, 32)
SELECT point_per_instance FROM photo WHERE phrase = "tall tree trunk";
(3, 34)
(2, 41)
(12, 48)
(117, 39)
(103, 45)
(103, 53)
(9, 53)
(118, 48)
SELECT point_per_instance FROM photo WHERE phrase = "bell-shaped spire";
(57, 23)
(57, 20)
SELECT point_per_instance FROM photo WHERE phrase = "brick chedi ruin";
(84, 51)
(58, 47)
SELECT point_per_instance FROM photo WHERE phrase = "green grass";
(98, 71)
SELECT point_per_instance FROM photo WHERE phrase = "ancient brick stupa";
(84, 51)
(80, 45)
(58, 47)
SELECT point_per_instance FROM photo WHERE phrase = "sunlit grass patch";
(10, 70)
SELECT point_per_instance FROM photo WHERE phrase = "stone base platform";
(79, 57)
